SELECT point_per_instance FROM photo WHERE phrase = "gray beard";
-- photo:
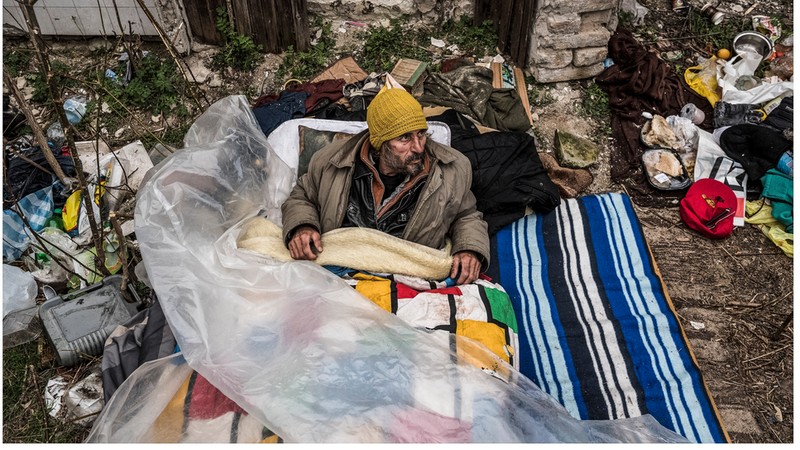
(410, 166)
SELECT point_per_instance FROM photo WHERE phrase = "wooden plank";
(301, 29)
(504, 22)
(522, 90)
(497, 75)
(525, 36)
(275, 24)
(241, 18)
(515, 29)
(201, 16)
(481, 12)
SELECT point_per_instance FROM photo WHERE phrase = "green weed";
(16, 61)
(595, 105)
(304, 65)
(480, 40)
(239, 51)
(60, 71)
(706, 34)
(625, 19)
(384, 46)
(157, 86)
(25, 419)
(539, 95)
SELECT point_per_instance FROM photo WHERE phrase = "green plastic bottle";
(56, 221)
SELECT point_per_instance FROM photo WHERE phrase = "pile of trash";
(730, 120)
(48, 242)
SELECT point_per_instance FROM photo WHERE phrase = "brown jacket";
(445, 209)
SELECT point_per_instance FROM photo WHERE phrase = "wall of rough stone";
(428, 11)
(569, 39)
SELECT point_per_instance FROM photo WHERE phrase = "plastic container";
(692, 112)
(77, 324)
(664, 170)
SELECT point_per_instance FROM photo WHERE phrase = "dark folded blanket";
(641, 82)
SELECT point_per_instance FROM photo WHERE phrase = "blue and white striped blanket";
(597, 330)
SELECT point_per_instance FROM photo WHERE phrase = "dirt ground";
(732, 296)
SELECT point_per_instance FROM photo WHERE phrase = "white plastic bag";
(743, 64)
(19, 289)
(20, 313)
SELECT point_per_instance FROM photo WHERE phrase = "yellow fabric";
(489, 334)
(759, 214)
(71, 211)
(167, 427)
(393, 113)
(377, 289)
(703, 80)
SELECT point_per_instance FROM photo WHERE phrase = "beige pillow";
(311, 141)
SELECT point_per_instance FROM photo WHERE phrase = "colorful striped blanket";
(597, 329)
(480, 311)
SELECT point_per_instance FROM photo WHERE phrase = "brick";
(597, 38)
(544, 75)
(568, 6)
(564, 23)
(552, 59)
(588, 56)
(596, 19)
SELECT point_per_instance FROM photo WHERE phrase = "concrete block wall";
(569, 39)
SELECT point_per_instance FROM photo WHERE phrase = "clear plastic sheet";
(292, 344)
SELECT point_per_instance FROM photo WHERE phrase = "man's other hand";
(305, 243)
(466, 266)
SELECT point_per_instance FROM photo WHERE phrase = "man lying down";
(393, 179)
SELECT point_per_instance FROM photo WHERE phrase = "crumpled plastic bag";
(79, 403)
(20, 312)
(745, 64)
(19, 289)
(292, 344)
(702, 78)
(636, 9)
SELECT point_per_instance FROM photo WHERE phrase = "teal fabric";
(779, 188)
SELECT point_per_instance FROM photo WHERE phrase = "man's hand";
(305, 243)
(469, 264)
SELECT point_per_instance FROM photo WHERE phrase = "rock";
(118, 133)
(198, 69)
(21, 82)
(215, 82)
(574, 151)
(437, 42)
(155, 119)
(105, 108)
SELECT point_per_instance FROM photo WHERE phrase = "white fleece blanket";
(356, 248)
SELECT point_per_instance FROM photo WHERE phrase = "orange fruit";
(723, 53)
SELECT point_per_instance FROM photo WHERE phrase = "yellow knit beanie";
(393, 113)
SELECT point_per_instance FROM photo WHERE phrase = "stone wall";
(570, 38)
(370, 11)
